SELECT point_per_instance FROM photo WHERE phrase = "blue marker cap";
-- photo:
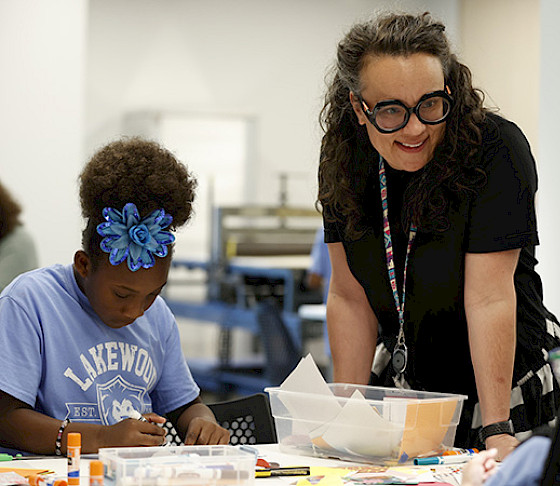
(427, 461)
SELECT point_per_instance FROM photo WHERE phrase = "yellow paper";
(326, 481)
(25, 472)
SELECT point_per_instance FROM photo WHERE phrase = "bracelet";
(497, 428)
(58, 443)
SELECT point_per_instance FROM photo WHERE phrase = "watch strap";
(496, 429)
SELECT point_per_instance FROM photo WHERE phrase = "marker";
(429, 461)
(135, 414)
(454, 452)
(283, 471)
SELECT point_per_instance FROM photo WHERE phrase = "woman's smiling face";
(406, 79)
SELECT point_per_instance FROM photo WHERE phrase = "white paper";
(359, 429)
(312, 402)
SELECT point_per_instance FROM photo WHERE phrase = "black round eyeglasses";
(389, 116)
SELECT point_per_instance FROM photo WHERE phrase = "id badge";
(399, 358)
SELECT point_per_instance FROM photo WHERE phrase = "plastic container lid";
(74, 439)
(96, 468)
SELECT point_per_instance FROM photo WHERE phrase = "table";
(270, 452)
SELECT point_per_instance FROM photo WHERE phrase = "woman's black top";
(499, 215)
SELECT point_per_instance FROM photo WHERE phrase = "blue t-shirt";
(524, 466)
(61, 359)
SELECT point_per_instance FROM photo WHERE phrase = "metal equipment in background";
(255, 277)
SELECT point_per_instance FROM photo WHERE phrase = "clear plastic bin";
(178, 466)
(365, 423)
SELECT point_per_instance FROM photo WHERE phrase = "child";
(87, 345)
(525, 466)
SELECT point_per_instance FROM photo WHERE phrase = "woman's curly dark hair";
(9, 212)
(342, 181)
(133, 170)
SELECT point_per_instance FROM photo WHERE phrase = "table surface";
(270, 452)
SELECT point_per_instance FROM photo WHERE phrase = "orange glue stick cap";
(74, 439)
(96, 468)
(96, 473)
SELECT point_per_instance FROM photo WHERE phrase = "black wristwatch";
(496, 429)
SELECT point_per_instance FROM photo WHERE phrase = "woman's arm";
(351, 323)
(197, 424)
(24, 429)
(490, 306)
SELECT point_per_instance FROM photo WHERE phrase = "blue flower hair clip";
(127, 237)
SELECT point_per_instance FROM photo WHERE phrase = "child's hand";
(202, 431)
(480, 468)
(154, 418)
(133, 433)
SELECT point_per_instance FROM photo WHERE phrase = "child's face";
(118, 295)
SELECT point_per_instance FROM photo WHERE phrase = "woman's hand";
(503, 443)
(480, 468)
(203, 431)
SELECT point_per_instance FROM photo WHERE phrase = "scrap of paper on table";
(366, 474)
(25, 472)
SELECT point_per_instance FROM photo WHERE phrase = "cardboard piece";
(426, 425)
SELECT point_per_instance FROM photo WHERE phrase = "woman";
(428, 202)
(17, 249)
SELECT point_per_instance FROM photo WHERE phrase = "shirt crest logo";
(117, 398)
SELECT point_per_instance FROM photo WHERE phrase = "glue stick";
(95, 473)
(73, 453)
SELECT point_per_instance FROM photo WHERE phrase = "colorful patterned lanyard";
(400, 352)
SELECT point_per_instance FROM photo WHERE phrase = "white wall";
(512, 48)
(259, 58)
(549, 155)
(501, 46)
(63, 58)
(264, 59)
(41, 117)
